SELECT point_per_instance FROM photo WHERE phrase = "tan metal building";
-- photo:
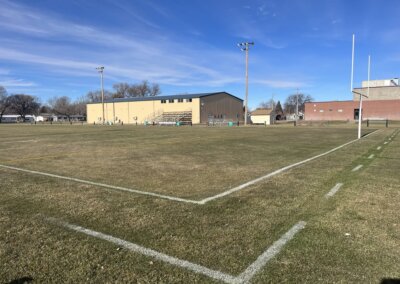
(187, 108)
(262, 116)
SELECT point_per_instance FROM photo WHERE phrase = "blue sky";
(51, 48)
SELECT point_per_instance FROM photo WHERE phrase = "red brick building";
(383, 103)
(348, 110)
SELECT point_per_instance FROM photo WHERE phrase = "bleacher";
(183, 117)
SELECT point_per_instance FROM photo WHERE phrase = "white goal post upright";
(361, 98)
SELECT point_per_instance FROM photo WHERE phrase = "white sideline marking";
(149, 252)
(371, 156)
(21, 141)
(334, 189)
(357, 168)
(244, 277)
(240, 187)
(200, 202)
(379, 147)
(272, 251)
(102, 185)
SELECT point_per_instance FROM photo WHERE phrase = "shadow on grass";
(390, 281)
(23, 280)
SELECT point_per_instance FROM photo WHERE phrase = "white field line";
(371, 156)
(272, 251)
(242, 186)
(334, 189)
(102, 185)
(244, 277)
(173, 198)
(21, 141)
(149, 252)
(385, 142)
(379, 147)
(357, 168)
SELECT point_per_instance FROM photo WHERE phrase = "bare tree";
(24, 104)
(155, 90)
(143, 88)
(62, 106)
(80, 106)
(4, 101)
(121, 90)
(95, 96)
(267, 104)
(293, 100)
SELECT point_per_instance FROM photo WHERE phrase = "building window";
(330, 109)
(188, 100)
(171, 101)
(163, 101)
(180, 100)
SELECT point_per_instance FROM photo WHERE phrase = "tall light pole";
(100, 70)
(297, 103)
(244, 46)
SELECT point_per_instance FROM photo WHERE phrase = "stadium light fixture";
(244, 46)
(100, 69)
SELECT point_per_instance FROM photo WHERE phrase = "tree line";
(23, 105)
(290, 104)
(126, 90)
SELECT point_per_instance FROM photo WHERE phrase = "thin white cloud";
(154, 57)
(16, 83)
(281, 84)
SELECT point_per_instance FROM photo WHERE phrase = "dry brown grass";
(227, 234)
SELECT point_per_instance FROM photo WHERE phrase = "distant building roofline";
(158, 98)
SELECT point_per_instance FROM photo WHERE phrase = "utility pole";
(244, 46)
(297, 104)
(100, 70)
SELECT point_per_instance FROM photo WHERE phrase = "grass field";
(353, 236)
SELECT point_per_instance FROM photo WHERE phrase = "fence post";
(387, 123)
(367, 122)
(294, 123)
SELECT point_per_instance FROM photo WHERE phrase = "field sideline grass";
(225, 235)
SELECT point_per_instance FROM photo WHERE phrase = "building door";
(356, 113)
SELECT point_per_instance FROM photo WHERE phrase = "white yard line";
(357, 168)
(385, 142)
(173, 198)
(244, 277)
(102, 185)
(334, 189)
(379, 147)
(272, 251)
(149, 252)
(371, 156)
(254, 181)
(21, 141)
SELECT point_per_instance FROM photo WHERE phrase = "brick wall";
(344, 110)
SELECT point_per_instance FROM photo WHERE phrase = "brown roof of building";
(262, 111)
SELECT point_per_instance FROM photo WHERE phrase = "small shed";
(262, 116)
